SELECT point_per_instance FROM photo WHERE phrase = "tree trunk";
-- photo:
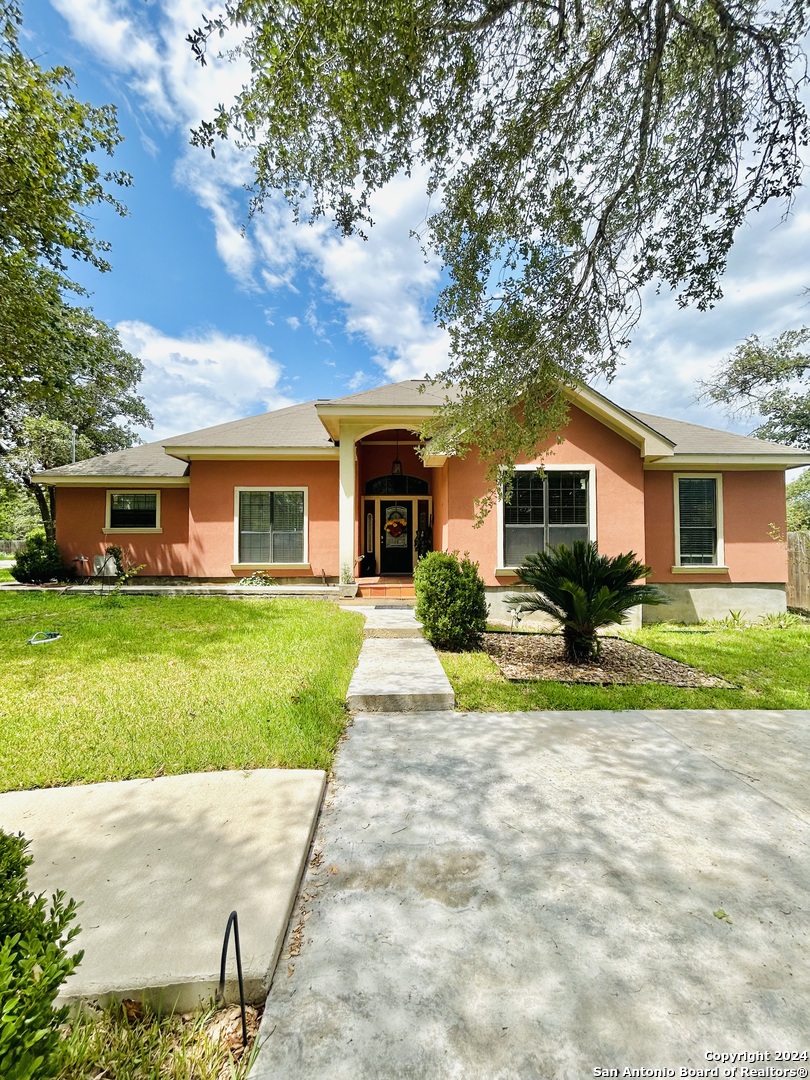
(581, 647)
(47, 506)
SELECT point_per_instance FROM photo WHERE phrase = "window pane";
(568, 498)
(254, 526)
(520, 541)
(288, 510)
(133, 511)
(566, 534)
(271, 526)
(525, 506)
(288, 547)
(526, 529)
(697, 508)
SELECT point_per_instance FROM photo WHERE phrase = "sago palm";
(583, 590)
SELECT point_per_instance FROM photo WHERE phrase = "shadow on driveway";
(550, 894)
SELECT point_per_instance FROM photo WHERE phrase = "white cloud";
(293, 322)
(384, 287)
(202, 379)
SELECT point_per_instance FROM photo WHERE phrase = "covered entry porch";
(392, 499)
(394, 507)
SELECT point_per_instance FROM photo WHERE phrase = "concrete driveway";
(158, 865)
(553, 895)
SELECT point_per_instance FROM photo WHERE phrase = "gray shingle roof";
(404, 393)
(298, 426)
(696, 439)
(150, 459)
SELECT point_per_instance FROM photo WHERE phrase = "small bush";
(450, 600)
(258, 577)
(33, 965)
(39, 561)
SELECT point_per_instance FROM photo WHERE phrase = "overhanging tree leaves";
(798, 502)
(44, 444)
(49, 176)
(771, 379)
(59, 364)
(579, 152)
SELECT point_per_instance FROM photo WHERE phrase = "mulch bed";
(541, 656)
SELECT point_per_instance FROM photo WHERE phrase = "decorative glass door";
(396, 540)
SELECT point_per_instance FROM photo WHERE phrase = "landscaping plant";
(34, 962)
(39, 560)
(450, 600)
(583, 590)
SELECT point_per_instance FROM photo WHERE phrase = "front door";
(396, 541)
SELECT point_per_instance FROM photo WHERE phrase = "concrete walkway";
(397, 670)
(548, 894)
(158, 866)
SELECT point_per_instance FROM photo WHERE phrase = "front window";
(544, 509)
(698, 520)
(271, 526)
(133, 510)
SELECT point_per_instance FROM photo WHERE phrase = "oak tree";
(60, 366)
(772, 380)
(577, 151)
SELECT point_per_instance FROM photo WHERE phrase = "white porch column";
(346, 531)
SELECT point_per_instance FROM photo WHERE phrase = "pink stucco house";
(307, 490)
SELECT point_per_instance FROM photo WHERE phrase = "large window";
(271, 526)
(133, 511)
(698, 521)
(543, 510)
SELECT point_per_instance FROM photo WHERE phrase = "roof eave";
(720, 462)
(650, 442)
(332, 416)
(108, 479)
(253, 453)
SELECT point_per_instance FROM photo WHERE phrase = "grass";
(111, 1043)
(140, 685)
(770, 667)
(5, 574)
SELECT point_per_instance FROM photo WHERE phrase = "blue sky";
(229, 324)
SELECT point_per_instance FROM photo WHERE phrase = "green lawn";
(5, 574)
(771, 667)
(141, 684)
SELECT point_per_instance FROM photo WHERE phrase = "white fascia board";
(372, 416)
(650, 442)
(111, 481)
(253, 453)
(720, 462)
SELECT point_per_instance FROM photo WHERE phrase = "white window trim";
(270, 566)
(720, 554)
(589, 469)
(109, 530)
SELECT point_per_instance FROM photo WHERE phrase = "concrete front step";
(399, 675)
(371, 591)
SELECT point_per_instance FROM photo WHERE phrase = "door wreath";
(396, 526)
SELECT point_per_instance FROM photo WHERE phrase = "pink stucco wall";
(753, 503)
(619, 494)
(374, 461)
(211, 512)
(80, 518)
(634, 512)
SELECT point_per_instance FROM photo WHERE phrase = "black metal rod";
(233, 921)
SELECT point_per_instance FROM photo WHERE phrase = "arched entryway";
(396, 507)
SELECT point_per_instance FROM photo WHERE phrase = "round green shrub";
(450, 600)
(33, 965)
(39, 561)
